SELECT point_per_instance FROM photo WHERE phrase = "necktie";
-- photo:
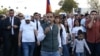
(37, 25)
(12, 30)
(37, 29)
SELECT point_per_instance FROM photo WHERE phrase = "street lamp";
(25, 7)
(2, 6)
(9, 7)
(16, 7)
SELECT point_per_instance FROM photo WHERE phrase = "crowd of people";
(50, 35)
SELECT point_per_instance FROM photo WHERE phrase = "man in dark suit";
(11, 28)
(1, 16)
(36, 20)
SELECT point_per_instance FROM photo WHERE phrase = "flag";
(48, 7)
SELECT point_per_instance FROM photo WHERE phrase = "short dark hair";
(57, 16)
(80, 32)
(93, 11)
(86, 14)
(36, 13)
(82, 15)
(11, 9)
(51, 13)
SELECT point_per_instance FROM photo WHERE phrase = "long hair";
(78, 21)
(58, 17)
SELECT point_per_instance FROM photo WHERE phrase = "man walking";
(11, 29)
(93, 34)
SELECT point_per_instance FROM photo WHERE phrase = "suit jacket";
(0, 28)
(7, 23)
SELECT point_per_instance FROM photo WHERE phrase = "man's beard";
(27, 21)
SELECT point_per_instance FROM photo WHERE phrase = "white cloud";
(82, 3)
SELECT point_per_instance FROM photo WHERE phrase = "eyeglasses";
(49, 16)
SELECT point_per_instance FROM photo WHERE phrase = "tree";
(58, 11)
(9, 7)
(68, 5)
(25, 7)
(3, 11)
(94, 4)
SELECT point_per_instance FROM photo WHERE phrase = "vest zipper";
(52, 40)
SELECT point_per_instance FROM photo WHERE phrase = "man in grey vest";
(49, 43)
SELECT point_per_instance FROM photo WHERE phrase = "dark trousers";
(94, 48)
(37, 50)
(11, 45)
(85, 35)
(20, 52)
(70, 49)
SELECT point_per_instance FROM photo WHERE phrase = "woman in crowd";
(69, 36)
(77, 26)
(63, 35)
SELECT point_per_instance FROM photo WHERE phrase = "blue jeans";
(65, 50)
(79, 54)
(43, 53)
(28, 48)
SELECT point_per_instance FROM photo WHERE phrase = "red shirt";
(93, 33)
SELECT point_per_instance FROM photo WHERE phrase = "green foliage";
(58, 11)
(3, 11)
(94, 4)
(68, 5)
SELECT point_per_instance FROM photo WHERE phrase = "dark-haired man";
(93, 34)
(11, 29)
(50, 44)
(36, 20)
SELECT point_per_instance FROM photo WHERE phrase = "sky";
(36, 5)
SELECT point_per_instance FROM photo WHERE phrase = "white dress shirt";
(70, 23)
(64, 35)
(83, 24)
(41, 35)
(39, 24)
